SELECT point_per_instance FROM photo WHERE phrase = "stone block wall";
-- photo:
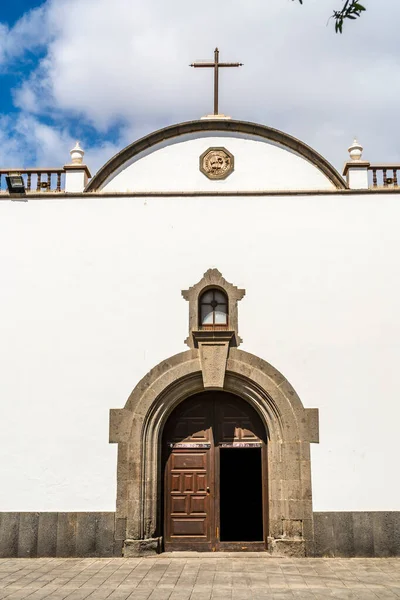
(359, 534)
(31, 534)
(80, 534)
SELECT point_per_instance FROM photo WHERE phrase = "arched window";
(213, 309)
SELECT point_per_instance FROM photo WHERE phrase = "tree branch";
(351, 9)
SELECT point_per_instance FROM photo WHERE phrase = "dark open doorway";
(241, 508)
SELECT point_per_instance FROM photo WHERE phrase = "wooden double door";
(215, 475)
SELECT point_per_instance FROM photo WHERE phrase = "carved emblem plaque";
(216, 163)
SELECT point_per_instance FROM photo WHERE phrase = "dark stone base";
(357, 534)
(337, 534)
(133, 548)
(31, 535)
(293, 547)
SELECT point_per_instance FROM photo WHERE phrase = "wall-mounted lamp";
(15, 183)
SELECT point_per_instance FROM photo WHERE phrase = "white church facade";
(220, 304)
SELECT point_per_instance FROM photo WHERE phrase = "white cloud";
(11, 154)
(126, 62)
(26, 141)
(29, 33)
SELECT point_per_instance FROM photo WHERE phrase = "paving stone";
(193, 577)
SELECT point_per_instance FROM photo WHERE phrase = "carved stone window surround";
(213, 279)
(213, 343)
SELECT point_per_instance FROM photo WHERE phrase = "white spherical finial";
(77, 154)
(355, 150)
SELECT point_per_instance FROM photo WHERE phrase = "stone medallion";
(216, 163)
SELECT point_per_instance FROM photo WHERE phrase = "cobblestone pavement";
(183, 576)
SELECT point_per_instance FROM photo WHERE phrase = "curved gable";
(167, 160)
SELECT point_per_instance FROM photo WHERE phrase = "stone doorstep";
(218, 555)
(277, 548)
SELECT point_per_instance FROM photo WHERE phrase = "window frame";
(201, 303)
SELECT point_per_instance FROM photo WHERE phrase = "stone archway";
(137, 428)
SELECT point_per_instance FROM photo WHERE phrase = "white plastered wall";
(259, 165)
(91, 300)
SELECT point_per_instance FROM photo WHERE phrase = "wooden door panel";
(201, 483)
(188, 460)
(187, 504)
(176, 482)
(192, 429)
(246, 433)
(189, 528)
(237, 430)
(237, 422)
(188, 483)
(198, 505)
(192, 423)
(178, 505)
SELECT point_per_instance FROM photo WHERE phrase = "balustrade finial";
(355, 150)
(77, 154)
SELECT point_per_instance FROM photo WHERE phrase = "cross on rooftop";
(215, 65)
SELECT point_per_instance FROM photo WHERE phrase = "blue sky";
(11, 73)
(12, 11)
(109, 72)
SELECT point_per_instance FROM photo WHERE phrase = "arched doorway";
(214, 463)
(138, 430)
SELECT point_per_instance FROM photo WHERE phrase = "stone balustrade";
(385, 176)
(36, 179)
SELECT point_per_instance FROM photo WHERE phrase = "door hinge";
(217, 533)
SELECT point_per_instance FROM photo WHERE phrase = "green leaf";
(351, 9)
